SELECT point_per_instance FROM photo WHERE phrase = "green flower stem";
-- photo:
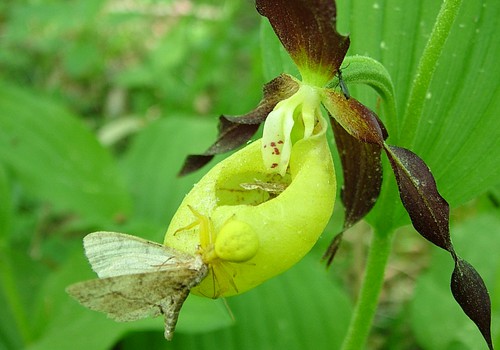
(362, 319)
(426, 67)
(366, 306)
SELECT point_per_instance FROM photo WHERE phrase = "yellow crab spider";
(235, 242)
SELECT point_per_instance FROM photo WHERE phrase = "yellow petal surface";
(248, 234)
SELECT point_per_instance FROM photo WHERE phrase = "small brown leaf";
(307, 30)
(362, 171)
(429, 212)
(358, 120)
(332, 249)
(471, 294)
(278, 89)
(231, 136)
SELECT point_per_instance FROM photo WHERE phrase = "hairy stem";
(426, 68)
(362, 319)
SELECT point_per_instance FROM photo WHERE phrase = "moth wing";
(136, 296)
(114, 254)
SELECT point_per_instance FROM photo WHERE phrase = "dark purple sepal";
(307, 30)
(235, 131)
(471, 294)
(428, 210)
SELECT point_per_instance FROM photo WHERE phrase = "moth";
(343, 85)
(137, 278)
(270, 187)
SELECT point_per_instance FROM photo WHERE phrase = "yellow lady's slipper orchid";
(248, 234)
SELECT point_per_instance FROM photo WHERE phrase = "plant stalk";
(362, 319)
(426, 67)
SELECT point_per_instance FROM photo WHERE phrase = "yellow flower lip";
(249, 234)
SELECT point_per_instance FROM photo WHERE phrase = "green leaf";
(57, 158)
(457, 133)
(6, 211)
(63, 323)
(365, 70)
(153, 161)
(14, 328)
(301, 309)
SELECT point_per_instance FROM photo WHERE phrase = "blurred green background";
(100, 102)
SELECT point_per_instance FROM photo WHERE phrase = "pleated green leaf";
(57, 158)
(301, 309)
(64, 324)
(457, 134)
(5, 205)
(153, 161)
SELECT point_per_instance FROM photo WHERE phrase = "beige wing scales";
(138, 278)
(136, 296)
(114, 254)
